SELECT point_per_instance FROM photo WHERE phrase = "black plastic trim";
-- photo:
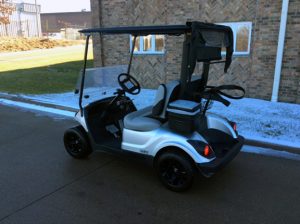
(124, 154)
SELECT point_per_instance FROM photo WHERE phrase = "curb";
(274, 146)
(23, 100)
(250, 142)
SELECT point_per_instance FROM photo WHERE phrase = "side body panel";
(151, 142)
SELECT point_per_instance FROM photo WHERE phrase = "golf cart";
(176, 133)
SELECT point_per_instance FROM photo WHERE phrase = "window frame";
(234, 26)
(152, 51)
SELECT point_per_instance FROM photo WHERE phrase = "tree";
(6, 9)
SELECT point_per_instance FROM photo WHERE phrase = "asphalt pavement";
(41, 183)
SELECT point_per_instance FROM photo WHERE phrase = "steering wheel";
(129, 84)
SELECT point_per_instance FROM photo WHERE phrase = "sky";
(61, 5)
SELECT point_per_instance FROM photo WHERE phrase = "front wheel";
(175, 171)
(76, 142)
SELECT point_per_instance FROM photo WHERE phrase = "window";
(241, 36)
(151, 44)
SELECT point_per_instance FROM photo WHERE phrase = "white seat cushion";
(138, 120)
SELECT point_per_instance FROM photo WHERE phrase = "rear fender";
(182, 144)
(217, 122)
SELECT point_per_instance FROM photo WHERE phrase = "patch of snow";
(273, 122)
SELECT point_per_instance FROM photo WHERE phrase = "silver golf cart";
(175, 134)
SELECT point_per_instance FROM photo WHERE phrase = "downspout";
(280, 48)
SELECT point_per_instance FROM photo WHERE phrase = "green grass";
(47, 79)
(39, 72)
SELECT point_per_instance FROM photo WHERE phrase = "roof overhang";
(147, 30)
(140, 30)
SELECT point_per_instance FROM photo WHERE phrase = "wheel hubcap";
(173, 173)
(74, 144)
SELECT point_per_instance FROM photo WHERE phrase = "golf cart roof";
(139, 30)
(162, 29)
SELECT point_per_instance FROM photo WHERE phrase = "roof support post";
(185, 67)
(83, 73)
(280, 49)
(131, 55)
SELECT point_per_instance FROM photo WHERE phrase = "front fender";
(81, 120)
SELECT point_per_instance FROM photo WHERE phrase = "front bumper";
(218, 163)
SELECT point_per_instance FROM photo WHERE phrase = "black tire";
(76, 142)
(175, 171)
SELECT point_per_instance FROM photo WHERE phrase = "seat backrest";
(159, 101)
(165, 94)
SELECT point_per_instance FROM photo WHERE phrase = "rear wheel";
(175, 171)
(76, 142)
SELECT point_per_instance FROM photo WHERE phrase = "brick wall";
(264, 48)
(230, 11)
(289, 90)
(254, 72)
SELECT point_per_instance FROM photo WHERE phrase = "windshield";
(100, 82)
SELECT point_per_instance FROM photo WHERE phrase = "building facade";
(255, 23)
(54, 22)
(65, 25)
(25, 21)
